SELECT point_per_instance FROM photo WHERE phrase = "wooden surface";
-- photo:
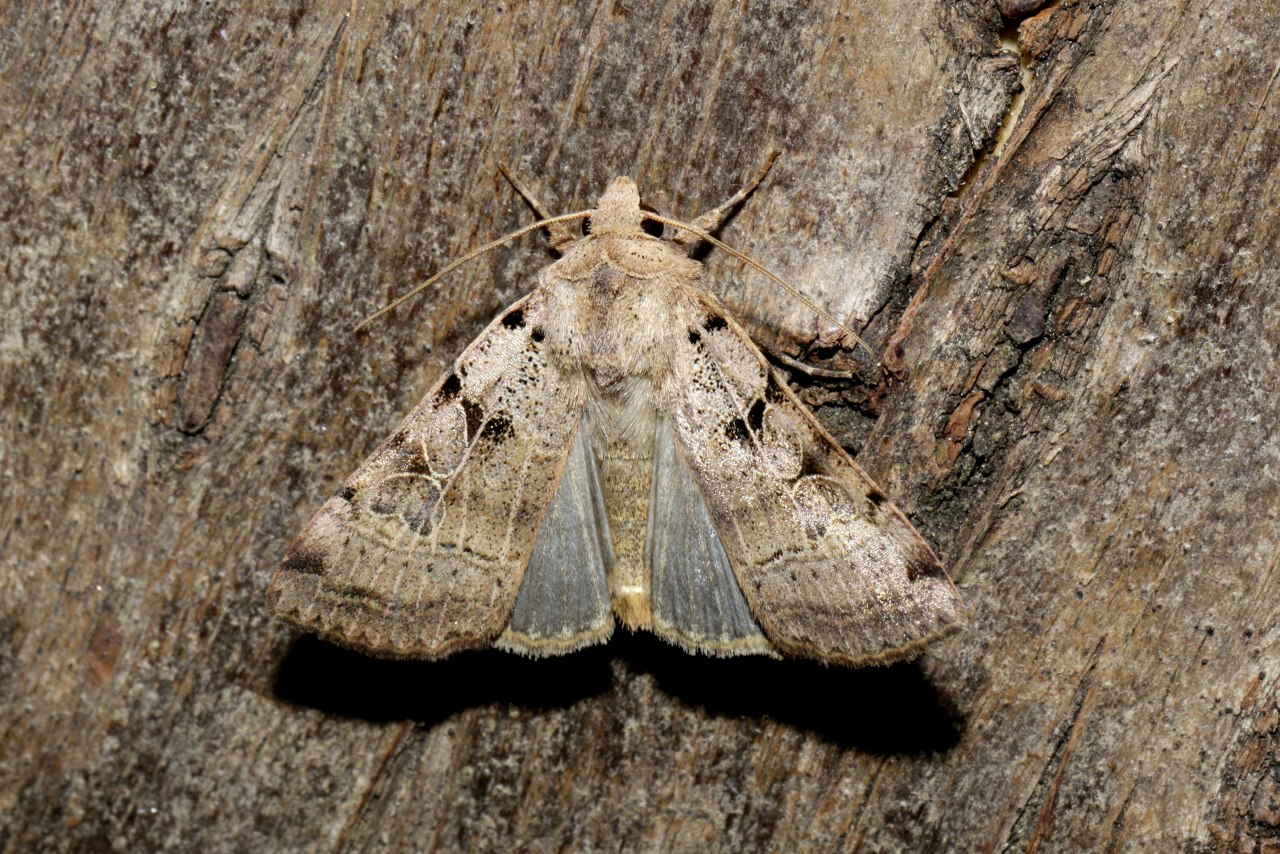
(1078, 409)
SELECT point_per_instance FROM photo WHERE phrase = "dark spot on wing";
(347, 493)
(419, 521)
(772, 390)
(815, 527)
(809, 464)
(694, 336)
(514, 319)
(450, 388)
(497, 429)
(360, 594)
(923, 566)
(413, 462)
(304, 563)
(876, 497)
(408, 455)
(475, 416)
(737, 430)
(537, 334)
(755, 417)
(713, 322)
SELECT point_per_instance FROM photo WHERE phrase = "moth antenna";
(748, 260)
(560, 236)
(714, 218)
(453, 265)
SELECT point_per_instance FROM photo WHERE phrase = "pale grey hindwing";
(695, 595)
(564, 599)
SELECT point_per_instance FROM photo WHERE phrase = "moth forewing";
(614, 444)
(829, 567)
(422, 551)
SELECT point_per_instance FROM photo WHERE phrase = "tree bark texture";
(1055, 222)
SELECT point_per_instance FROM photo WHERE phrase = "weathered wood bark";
(1078, 408)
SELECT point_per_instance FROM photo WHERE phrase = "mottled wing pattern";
(422, 551)
(829, 567)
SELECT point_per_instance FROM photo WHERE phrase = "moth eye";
(586, 226)
(651, 227)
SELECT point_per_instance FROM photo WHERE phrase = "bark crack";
(1046, 789)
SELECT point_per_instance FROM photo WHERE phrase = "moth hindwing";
(614, 445)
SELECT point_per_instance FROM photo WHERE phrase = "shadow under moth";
(614, 444)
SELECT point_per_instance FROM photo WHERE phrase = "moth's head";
(618, 211)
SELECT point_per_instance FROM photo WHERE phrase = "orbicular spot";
(876, 497)
(514, 319)
(772, 390)
(737, 430)
(347, 493)
(714, 322)
(497, 429)
(755, 416)
(537, 334)
(694, 336)
(475, 416)
(304, 562)
(413, 499)
(450, 388)
(923, 566)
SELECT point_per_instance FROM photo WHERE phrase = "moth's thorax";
(614, 304)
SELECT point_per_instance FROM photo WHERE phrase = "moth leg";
(804, 368)
(714, 218)
(561, 235)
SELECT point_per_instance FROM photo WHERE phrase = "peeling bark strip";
(1105, 279)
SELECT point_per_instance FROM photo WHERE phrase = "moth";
(613, 447)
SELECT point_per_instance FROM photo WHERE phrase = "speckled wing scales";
(828, 566)
(423, 551)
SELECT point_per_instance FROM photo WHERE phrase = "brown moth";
(614, 444)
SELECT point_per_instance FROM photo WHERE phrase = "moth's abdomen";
(626, 474)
